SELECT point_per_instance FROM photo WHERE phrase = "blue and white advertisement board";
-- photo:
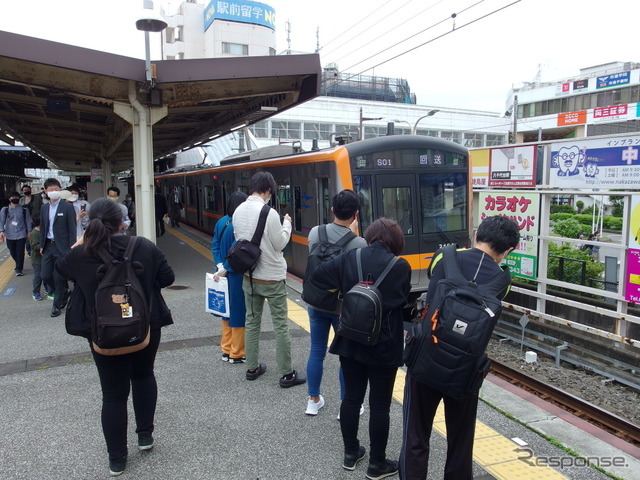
(243, 11)
(601, 163)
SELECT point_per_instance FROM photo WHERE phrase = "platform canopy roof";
(59, 99)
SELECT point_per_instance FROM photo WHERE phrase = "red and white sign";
(566, 87)
(610, 111)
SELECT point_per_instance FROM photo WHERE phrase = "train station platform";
(213, 424)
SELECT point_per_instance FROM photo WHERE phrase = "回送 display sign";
(607, 162)
(524, 209)
(513, 167)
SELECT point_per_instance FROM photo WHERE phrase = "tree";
(617, 205)
(579, 205)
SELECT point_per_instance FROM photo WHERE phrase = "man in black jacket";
(496, 237)
(58, 227)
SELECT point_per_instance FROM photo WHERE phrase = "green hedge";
(610, 223)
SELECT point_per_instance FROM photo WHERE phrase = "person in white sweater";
(267, 281)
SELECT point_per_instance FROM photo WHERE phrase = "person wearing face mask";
(267, 280)
(58, 234)
(113, 194)
(82, 208)
(15, 225)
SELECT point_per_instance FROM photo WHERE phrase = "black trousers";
(50, 275)
(380, 380)
(120, 374)
(419, 408)
(159, 225)
(16, 249)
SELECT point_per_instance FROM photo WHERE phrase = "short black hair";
(345, 204)
(13, 194)
(262, 182)
(500, 233)
(51, 181)
(387, 232)
(113, 189)
(35, 219)
(74, 188)
(25, 186)
(235, 199)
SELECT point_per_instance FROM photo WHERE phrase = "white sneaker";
(361, 412)
(313, 407)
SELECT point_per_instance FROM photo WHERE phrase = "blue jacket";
(223, 239)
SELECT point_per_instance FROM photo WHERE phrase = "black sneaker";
(293, 379)
(116, 467)
(225, 357)
(352, 459)
(376, 471)
(237, 360)
(145, 441)
(252, 375)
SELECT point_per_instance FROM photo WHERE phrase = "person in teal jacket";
(232, 341)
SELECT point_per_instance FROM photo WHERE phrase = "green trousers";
(254, 296)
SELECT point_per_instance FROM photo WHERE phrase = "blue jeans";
(320, 322)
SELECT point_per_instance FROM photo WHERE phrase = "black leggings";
(117, 373)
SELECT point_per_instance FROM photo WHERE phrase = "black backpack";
(121, 314)
(361, 315)
(323, 251)
(446, 350)
(244, 254)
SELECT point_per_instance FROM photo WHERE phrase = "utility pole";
(515, 119)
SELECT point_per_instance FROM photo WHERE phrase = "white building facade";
(602, 100)
(219, 29)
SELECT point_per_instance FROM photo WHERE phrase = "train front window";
(396, 204)
(362, 187)
(443, 200)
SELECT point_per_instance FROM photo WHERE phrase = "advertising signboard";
(513, 167)
(480, 167)
(243, 11)
(580, 84)
(524, 209)
(632, 283)
(613, 80)
(572, 118)
(597, 163)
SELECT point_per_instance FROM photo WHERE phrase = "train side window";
(324, 205)
(297, 208)
(396, 204)
(210, 198)
(362, 187)
(282, 202)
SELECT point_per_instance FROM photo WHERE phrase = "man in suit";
(58, 233)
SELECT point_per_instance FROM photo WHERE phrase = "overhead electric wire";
(427, 42)
(384, 2)
(414, 35)
(390, 30)
(357, 34)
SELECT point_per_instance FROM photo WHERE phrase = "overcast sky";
(470, 66)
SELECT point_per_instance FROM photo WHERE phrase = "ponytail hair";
(105, 219)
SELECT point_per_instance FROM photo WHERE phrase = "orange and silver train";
(421, 182)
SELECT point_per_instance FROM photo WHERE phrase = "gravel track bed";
(611, 396)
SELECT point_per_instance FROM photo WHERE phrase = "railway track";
(581, 408)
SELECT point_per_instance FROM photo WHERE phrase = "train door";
(396, 198)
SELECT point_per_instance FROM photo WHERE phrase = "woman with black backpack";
(373, 365)
(119, 373)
